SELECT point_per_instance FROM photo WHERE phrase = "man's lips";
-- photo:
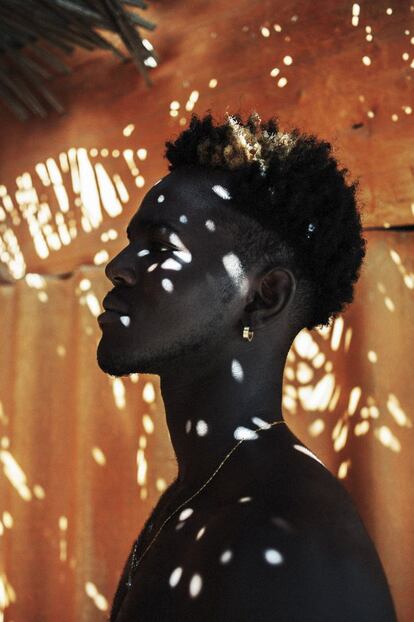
(110, 303)
(113, 316)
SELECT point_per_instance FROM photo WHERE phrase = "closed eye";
(160, 245)
(157, 244)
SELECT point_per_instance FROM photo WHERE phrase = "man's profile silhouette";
(251, 237)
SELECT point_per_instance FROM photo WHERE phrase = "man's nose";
(120, 272)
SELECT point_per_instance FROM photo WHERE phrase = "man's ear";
(273, 291)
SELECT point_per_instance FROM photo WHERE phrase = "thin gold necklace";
(134, 563)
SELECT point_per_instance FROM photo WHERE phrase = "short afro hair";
(293, 204)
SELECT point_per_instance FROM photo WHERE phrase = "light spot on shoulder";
(188, 426)
(196, 584)
(273, 557)
(237, 370)
(183, 218)
(200, 533)
(226, 556)
(261, 423)
(185, 513)
(221, 191)
(308, 452)
(245, 434)
(161, 198)
(167, 285)
(201, 427)
(175, 576)
(210, 225)
(245, 499)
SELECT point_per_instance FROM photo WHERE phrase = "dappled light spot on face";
(273, 557)
(242, 433)
(175, 576)
(188, 426)
(152, 267)
(142, 253)
(167, 285)
(261, 423)
(184, 255)
(226, 556)
(307, 452)
(176, 240)
(221, 191)
(210, 225)
(245, 499)
(196, 584)
(233, 267)
(183, 218)
(161, 198)
(185, 513)
(171, 264)
(237, 370)
(200, 533)
(125, 319)
(202, 428)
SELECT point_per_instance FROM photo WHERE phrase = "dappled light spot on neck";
(201, 427)
(237, 370)
(175, 576)
(226, 556)
(242, 433)
(273, 556)
(196, 584)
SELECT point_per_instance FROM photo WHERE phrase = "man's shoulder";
(257, 566)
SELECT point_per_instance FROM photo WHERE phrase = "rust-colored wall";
(329, 90)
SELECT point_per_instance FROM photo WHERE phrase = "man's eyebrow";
(150, 224)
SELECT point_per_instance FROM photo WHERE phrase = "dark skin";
(274, 535)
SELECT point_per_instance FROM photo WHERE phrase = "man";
(252, 237)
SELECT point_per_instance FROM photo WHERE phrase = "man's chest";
(164, 558)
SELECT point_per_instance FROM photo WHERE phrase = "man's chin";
(120, 364)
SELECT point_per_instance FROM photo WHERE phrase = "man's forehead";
(189, 192)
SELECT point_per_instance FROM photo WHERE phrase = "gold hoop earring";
(247, 333)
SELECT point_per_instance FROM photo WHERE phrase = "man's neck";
(208, 409)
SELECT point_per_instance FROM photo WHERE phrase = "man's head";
(260, 229)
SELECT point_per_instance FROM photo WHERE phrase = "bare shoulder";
(249, 566)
